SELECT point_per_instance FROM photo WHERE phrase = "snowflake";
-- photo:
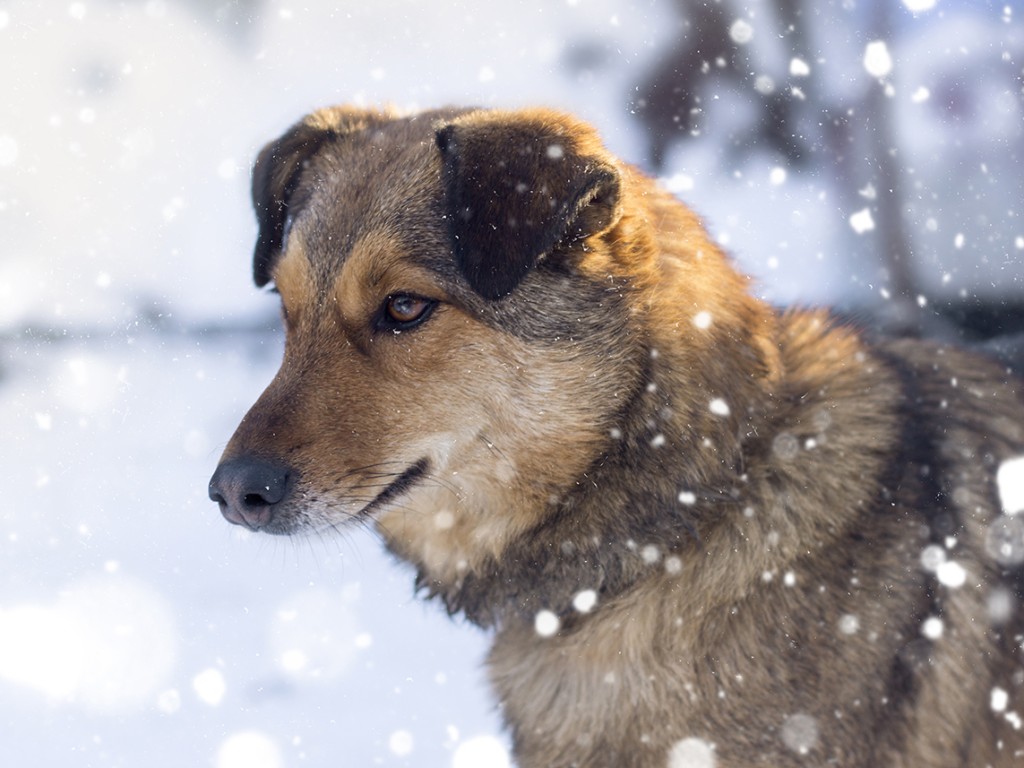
(691, 753)
(585, 600)
(650, 554)
(800, 733)
(249, 749)
(785, 446)
(209, 686)
(400, 743)
(8, 150)
(932, 557)
(998, 700)
(546, 623)
(481, 752)
(849, 624)
(877, 60)
(1004, 540)
(862, 221)
(799, 68)
(719, 407)
(741, 32)
(932, 628)
(951, 574)
(1010, 480)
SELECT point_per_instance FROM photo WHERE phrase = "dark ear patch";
(517, 188)
(278, 169)
(274, 178)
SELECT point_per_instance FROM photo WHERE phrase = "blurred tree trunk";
(892, 235)
(853, 141)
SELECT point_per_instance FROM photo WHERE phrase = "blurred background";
(865, 154)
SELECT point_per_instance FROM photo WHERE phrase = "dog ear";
(279, 167)
(518, 187)
(274, 178)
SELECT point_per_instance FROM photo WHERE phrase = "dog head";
(455, 307)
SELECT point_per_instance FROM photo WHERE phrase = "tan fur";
(596, 402)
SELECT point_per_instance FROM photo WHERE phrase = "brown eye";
(403, 311)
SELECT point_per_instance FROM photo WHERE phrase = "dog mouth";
(396, 488)
(266, 497)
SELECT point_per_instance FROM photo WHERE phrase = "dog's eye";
(403, 311)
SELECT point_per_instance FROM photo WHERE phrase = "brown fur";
(555, 425)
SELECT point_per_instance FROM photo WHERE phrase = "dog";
(704, 531)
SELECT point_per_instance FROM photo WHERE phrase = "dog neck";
(672, 466)
(668, 474)
(672, 488)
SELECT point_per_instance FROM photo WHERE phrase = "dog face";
(455, 315)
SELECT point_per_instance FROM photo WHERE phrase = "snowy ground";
(136, 627)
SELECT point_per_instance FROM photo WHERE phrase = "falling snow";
(849, 624)
(719, 407)
(650, 554)
(249, 749)
(1001, 604)
(210, 686)
(877, 60)
(741, 32)
(785, 446)
(932, 628)
(1004, 539)
(134, 627)
(1010, 481)
(998, 700)
(106, 643)
(481, 752)
(799, 68)
(169, 701)
(314, 635)
(546, 623)
(8, 150)
(691, 753)
(932, 557)
(800, 733)
(951, 574)
(400, 743)
(702, 320)
(585, 600)
(862, 221)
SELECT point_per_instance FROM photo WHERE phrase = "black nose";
(247, 490)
